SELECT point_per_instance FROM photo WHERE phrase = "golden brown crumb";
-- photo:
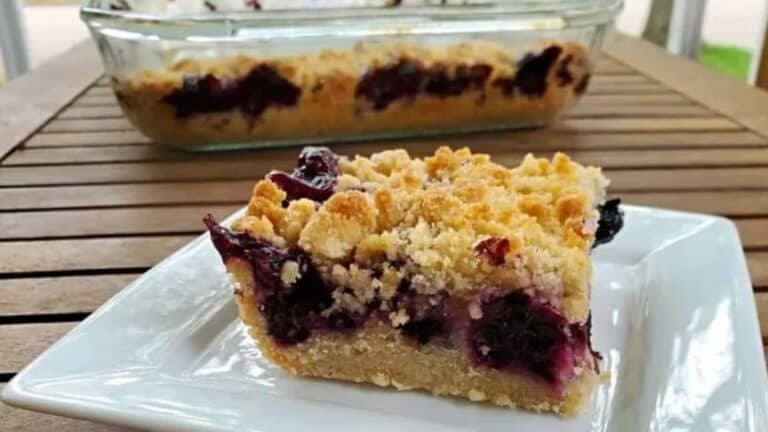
(432, 214)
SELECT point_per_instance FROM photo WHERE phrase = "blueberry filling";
(313, 178)
(439, 83)
(564, 76)
(517, 330)
(581, 87)
(531, 77)
(407, 78)
(494, 250)
(610, 223)
(428, 314)
(252, 94)
(384, 85)
(292, 311)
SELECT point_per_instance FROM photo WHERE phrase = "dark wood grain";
(722, 94)
(90, 112)
(47, 256)
(21, 343)
(758, 269)
(58, 295)
(164, 194)
(638, 111)
(86, 125)
(688, 179)
(717, 157)
(87, 139)
(734, 203)
(753, 232)
(761, 80)
(106, 222)
(19, 420)
(24, 107)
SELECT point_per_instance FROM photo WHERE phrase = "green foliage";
(730, 60)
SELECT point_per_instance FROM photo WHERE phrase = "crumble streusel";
(450, 273)
(371, 89)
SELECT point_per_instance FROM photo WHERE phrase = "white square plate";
(673, 314)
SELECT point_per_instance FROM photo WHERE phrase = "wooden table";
(87, 203)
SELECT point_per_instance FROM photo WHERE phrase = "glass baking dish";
(223, 74)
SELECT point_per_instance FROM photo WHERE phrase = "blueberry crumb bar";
(450, 274)
(370, 89)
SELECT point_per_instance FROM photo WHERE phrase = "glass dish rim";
(592, 12)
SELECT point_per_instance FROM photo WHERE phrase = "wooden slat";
(761, 301)
(606, 158)
(103, 222)
(611, 67)
(100, 90)
(753, 232)
(734, 203)
(632, 78)
(26, 198)
(761, 80)
(35, 156)
(637, 99)
(89, 125)
(95, 100)
(21, 343)
(708, 87)
(90, 112)
(251, 168)
(86, 139)
(27, 102)
(86, 254)
(19, 420)
(688, 179)
(627, 88)
(234, 192)
(758, 268)
(671, 158)
(531, 141)
(647, 125)
(627, 110)
(130, 172)
(60, 295)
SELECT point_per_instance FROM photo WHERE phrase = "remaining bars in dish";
(371, 89)
(450, 273)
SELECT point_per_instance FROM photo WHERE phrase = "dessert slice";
(450, 273)
(376, 88)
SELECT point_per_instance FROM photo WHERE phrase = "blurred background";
(726, 35)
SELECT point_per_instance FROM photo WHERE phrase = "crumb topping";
(330, 69)
(454, 222)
